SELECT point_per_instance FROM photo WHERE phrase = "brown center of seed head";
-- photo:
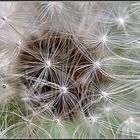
(50, 62)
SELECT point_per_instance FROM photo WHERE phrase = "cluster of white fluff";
(107, 34)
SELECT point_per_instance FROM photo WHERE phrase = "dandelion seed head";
(69, 69)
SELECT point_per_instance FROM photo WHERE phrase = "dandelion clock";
(69, 69)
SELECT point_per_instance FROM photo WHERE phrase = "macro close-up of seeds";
(69, 69)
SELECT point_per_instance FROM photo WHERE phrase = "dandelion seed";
(56, 121)
(92, 119)
(107, 109)
(129, 121)
(104, 94)
(50, 9)
(104, 39)
(64, 90)
(4, 86)
(2, 21)
(97, 64)
(47, 64)
(120, 21)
